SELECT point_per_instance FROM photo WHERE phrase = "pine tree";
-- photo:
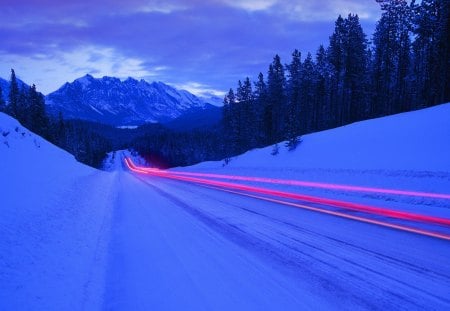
(431, 52)
(13, 98)
(308, 100)
(260, 98)
(324, 71)
(2, 102)
(60, 133)
(336, 58)
(239, 117)
(23, 114)
(226, 124)
(347, 54)
(247, 114)
(230, 123)
(443, 42)
(39, 122)
(268, 120)
(294, 118)
(355, 105)
(276, 108)
(392, 58)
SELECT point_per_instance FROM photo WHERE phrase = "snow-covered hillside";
(130, 102)
(51, 257)
(417, 140)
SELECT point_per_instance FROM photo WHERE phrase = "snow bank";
(50, 234)
(21, 150)
(417, 140)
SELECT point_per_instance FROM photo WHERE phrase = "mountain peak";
(85, 80)
(131, 79)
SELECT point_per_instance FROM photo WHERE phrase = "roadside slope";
(53, 214)
(416, 140)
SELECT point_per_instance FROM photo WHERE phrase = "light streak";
(319, 185)
(227, 186)
(353, 217)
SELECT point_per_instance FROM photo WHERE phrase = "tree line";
(405, 67)
(27, 105)
(165, 148)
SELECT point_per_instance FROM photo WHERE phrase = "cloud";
(50, 73)
(199, 89)
(213, 43)
(165, 8)
(329, 10)
(252, 5)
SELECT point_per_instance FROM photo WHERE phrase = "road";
(180, 245)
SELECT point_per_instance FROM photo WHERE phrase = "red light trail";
(340, 214)
(232, 187)
(314, 184)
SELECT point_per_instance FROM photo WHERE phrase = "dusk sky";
(200, 46)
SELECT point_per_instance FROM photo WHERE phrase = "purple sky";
(193, 44)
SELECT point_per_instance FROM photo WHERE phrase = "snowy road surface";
(165, 255)
(123, 241)
(176, 245)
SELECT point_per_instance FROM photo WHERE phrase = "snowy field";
(74, 238)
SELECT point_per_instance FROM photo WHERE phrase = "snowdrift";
(49, 231)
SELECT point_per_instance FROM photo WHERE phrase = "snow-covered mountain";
(129, 102)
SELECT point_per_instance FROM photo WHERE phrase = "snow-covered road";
(177, 244)
(162, 257)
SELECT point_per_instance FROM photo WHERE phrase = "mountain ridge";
(112, 101)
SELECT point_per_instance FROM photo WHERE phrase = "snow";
(77, 238)
(85, 81)
(127, 127)
(409, 141)
(51, 250)
(96, 110)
